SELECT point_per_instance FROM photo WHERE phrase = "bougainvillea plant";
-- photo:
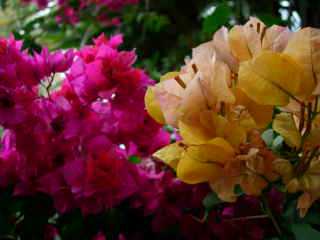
(243, 118)
(75, 155)
(246, 107)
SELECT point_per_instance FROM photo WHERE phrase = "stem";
(86, 36)
(248, 218)
(147, 5)
(315, 109)
(303, 110)
(270, 214)
(309, 121)
(50, 85)
(305, 162)
(7, 237)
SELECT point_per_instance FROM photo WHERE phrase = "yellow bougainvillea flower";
(215, 117)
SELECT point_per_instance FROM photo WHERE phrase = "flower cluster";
(74, 142)
(224, 98)
(70, 11)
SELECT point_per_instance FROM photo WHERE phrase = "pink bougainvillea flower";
(74, 142)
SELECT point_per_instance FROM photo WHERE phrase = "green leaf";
(238, 190)
(268, 137)
(3, 4)
(312, 217)
(169, 128)
(290, 212)
(277, 144)
(269, 19)
(304, 232)
(217, 19)
(134, 159)
(211, 200)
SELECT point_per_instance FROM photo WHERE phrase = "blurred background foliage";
(161, 31)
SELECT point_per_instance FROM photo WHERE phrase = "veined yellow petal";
(196, 98)
(284, 124)
(192, 171)
(313, 139)
(195, 133)
(254, 30)
(170, 154)
(219, 123)
(216, 150)
(168, 95)
(219, 84)
(271, 78)
(222, 48)
(235, 134)
(262, 114)
(238, 44)
(284, 168)
(276, 38)
(304, 48)
(310, 182)
(153, 107)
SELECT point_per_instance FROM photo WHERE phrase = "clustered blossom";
(70, 11)
(224, 98)
(219, 123)
(73, 143)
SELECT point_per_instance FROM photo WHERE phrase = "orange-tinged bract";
(225, 96)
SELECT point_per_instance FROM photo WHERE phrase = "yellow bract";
(261, 114)
(286, 127)
(153, 107)
(192, 171)
(238, 44)
(304, 48)
(224, 97)
(271, 78)
(170, 154)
